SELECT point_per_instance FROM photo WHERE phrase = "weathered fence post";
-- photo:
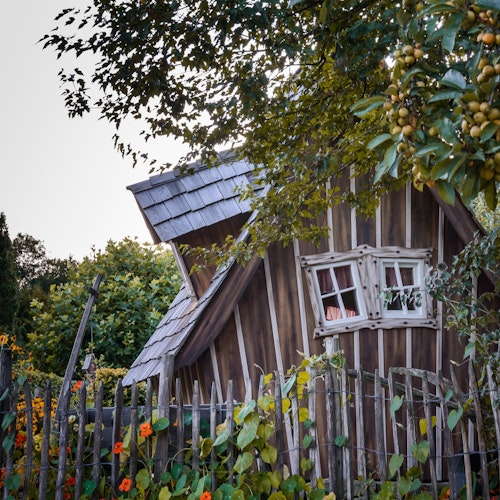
(164, 383)
(70, 368)
(379, 428)
(134, 427)
(96, 454)
(5, 386)
(117, 423)
(80, 448)
(44, 452)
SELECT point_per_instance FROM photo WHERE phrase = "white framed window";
(339, 290)
(369, 288)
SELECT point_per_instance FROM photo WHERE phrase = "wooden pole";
(65, 389)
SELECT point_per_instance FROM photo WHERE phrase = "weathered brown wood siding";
(275, 315)
(205, 237)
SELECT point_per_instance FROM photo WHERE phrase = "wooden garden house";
(237, 322)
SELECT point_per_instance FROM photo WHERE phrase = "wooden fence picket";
(45, 446)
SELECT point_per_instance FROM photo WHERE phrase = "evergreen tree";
(9, 288)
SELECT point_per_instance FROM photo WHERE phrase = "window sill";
(384, 323)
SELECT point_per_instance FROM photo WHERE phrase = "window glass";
(401, 287)
(340, 297)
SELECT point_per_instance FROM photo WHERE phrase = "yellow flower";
(3, 339)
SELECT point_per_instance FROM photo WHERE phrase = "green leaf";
(243, 462)
(488, 132)
(13, 482)
(289, 384)
(446, 191)
(164, 494)
(469, 349)
(222, 437)
(269, 454)
(421, 451)
(364, 106)
(396, 404)
(445, 95)
(161, 424)
(454, 417)
(307, 441)
(490, 196)
(7, 420)
(305, 465)
(8, 442)
(404, 486)
(142, 478)
(451, 27)
(340, 441)
(247, 435)
(395, 463)
(454, 79)
(244, 411)
(488, 4)
(323, 13)
(89, 486)
(377, 141)
(238, 495)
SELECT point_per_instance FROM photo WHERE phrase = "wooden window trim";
(368, 263)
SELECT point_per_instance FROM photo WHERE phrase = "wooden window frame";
(367, 263)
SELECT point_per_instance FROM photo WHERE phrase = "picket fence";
(358, 421)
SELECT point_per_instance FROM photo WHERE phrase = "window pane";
(407, 275)
(344, 277)
(332, 308)
(390, 276)
(394, 302)
(325, 281)
(350, 304)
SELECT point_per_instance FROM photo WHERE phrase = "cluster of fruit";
(407, 56)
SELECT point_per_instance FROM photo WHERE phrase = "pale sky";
(60, 179)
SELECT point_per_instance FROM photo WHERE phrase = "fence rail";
(358, 425)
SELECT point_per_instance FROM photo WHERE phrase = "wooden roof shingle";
(176, 204)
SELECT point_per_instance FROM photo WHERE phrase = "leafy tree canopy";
(36, 273)
(310, 89)
(139, 282)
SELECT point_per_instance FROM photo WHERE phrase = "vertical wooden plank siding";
(241, 346)
(301, 297)
(215, 369)
(272, 311)
(329, 221)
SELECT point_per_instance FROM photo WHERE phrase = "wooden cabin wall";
(205, 237)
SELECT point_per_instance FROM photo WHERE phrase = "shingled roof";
(174, 204)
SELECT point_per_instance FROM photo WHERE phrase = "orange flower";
(206, 495)
(4, 339)
(67, 496)
(77, 386)
(125, 485)
(146, 429)
(118, 448)
(71, 481)
(20, 439)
